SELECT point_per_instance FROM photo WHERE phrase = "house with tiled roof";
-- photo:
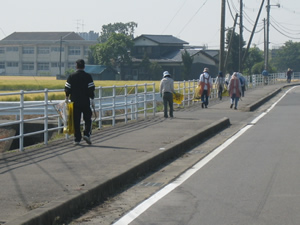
(166, 51)
(41, 53)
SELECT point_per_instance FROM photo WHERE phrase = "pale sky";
(194, 21)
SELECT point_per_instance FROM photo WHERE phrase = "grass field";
(10, 84)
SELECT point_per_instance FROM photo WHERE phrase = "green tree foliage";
(254, 56)
(287, 56)
(187, 64)
(118, 28)
(114, 52)
(233, 58)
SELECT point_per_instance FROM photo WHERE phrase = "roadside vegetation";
(11, 84)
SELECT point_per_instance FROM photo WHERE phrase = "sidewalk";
(40, 186)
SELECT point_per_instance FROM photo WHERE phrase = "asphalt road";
(254, 180)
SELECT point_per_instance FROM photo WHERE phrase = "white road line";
(142, 207)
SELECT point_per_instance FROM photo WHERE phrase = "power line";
(285, 29)
(192, 18)
(283, 33)
(174, 16)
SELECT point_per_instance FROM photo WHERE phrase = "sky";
(194, 21)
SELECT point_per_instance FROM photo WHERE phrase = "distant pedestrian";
(220, 84)
(235, 90)
(265, 73)
(243, 83)
(80, 88)
(289, 75)
(227, 79)
(166, 90)
(205, 83)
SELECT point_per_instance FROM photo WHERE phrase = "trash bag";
(69, 129)
(177, 98)
(62, 111)
(197, 93)
(225, 92)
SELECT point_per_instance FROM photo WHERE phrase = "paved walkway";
(39, 186)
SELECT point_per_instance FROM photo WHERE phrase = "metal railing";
(129, 102)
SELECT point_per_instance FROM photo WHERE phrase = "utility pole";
(222, 38)
(267, 37)
(268, 34)
(252, 33)
(230, 42)
(241, 37)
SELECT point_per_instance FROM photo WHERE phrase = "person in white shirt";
(220, 84)
(166, 90)
(205, 83)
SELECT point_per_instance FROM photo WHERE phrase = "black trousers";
(87, 117)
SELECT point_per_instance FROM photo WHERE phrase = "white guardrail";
(129, 102)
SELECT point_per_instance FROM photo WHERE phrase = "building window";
(43, 50)
(57, 49)
(28, 50)
(71, 65)
(12, 49)
(2, 51)
(43, 66)
(28, 66)
(2, 65)
(86, 50)
(56, 64)
(12, 64)
(74, 50)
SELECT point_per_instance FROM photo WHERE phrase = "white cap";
(166, 73)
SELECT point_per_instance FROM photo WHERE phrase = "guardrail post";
(136, 102)
(21, 128)
(145, 100)
(114, 106)
(183, 92)
(125, 99)
(100, 107)
(154, 100)
(253, 81)
(46, 133)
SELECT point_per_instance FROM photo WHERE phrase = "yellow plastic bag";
(177, 98)
(225, 92)
(69, 129)
(197, 93)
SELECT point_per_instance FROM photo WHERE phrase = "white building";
(41, 53)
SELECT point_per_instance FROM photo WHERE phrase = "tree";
(114, 52)
(255, 55)
(233, 57)
(118, 28)
(287, 56)
(187, 64)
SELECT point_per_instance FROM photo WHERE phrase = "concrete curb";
(61, 209)
(261, 101)
(266, 98)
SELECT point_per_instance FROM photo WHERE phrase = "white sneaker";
(87, 140)
(76, 142)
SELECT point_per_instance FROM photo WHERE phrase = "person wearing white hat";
(205, 83)
(166, 90)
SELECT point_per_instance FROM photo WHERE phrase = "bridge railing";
(129, 102)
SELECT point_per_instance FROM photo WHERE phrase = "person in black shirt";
(80, 89)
